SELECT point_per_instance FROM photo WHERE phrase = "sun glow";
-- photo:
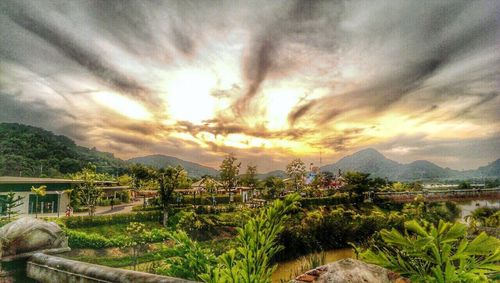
(189, 96)
(122, 105)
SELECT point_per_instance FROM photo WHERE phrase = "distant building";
(55, 199)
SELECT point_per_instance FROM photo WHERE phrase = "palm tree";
(40, 191)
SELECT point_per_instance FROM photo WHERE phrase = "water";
(288, 270)
(467, 207)
(14, 272)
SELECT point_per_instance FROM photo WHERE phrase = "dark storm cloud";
(75, 51)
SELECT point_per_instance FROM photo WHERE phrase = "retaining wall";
(49, 269)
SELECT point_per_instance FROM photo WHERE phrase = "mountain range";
(32, 151)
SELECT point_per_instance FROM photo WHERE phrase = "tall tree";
(250, 177)
(88, 193)
(229, 170)
(358, 183)
(169, 180)
(296, 170)
(10, 203)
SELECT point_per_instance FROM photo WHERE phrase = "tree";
(40, 191)
(274, 185)
(229, 171)
(12, 202)
(137, 239)
(296, 170)
(426, 253)
(250, 177)
(358, 183)
(169, 180)
(465, 185)
(87, 192)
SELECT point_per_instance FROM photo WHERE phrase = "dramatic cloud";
(266, 80)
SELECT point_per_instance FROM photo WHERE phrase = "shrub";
(442, 253)
(336, 199)
(88, 221)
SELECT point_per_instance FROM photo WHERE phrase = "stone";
(350, 271)
(26, 236)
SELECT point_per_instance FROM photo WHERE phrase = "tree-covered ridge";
(31, 151)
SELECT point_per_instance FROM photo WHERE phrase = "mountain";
(275, 173)
(373, 162)
(32, 151)
(490, 170)
(159, 161)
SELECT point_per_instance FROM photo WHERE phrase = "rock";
(350, 271)
(26, 236)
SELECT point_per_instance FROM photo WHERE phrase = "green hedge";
(87, 221)
(332, 200)
(207, 200)
(83, 240)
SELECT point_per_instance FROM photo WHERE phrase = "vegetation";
(10, 202)
(39, 192)
(31, 151)
(442, 253)
(87, 193)
(296, 170)
(169, 180)
(229, 170)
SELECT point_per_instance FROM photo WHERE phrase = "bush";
(88, 221)
(83, 240)
(336, 199)
(207, 200)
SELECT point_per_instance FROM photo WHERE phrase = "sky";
(267, 81)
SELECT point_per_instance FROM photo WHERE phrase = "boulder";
(349, 271)
(26, 236)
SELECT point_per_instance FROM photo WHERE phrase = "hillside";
(31, 151)
(158, 161)
(275, 173)
(373, 162)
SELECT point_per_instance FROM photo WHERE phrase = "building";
(56, 198)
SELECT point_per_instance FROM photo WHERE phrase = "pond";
(467, 207)
(14, 271)
(288, 270)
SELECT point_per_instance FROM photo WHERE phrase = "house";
(56, 198)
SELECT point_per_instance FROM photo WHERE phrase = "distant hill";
(32, 151)
(373, 162)
(275, 173)
(159, 161)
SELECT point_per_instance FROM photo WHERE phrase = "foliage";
(169, 180)
(40, 191)
(186, 259)
(358, 183)
(336, 199)
(486, 216)
(442, 253)
(274, 187)
(431, 211)
(257, 240)
(31, 151)
(88, 193)
(10, 203)
(86, 221)
(137, 239)
(229, 170)
(465, 185)
(250, 177)
(296, 170)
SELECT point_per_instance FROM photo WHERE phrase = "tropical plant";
(10, 203)
(186, 259)
(40, 191)
(442, 253)
(250, 262)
